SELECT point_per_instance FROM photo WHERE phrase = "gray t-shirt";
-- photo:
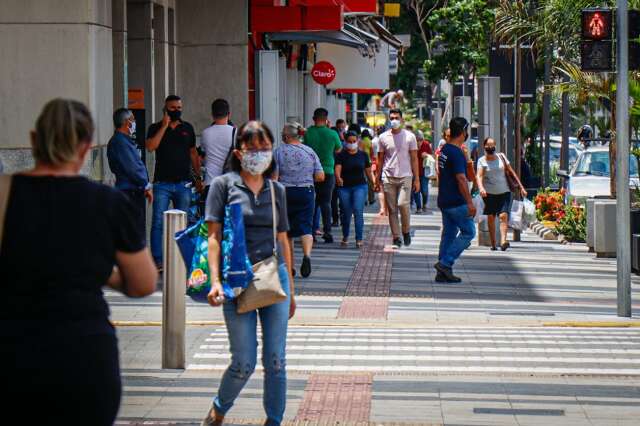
(258, 219)
(216, 141)
(495, 180)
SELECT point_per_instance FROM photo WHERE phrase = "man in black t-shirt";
(174, 142)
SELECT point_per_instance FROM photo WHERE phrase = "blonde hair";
(61, 127)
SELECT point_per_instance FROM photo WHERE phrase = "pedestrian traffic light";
(634, 40)
(596, 47)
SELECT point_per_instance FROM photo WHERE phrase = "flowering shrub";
(573, 222)
(550, 205)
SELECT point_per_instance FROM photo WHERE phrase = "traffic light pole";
(623, 232)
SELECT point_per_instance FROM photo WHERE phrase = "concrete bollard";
(591, 223)
(173, 294)
(605, 228)
(484, 239)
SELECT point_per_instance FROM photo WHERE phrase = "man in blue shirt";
(454, 201)
(126, 164)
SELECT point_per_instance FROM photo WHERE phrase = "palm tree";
(555, 23)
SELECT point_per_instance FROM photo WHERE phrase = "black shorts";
(495, 204)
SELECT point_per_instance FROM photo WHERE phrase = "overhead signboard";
(323, 73)
(355, 71)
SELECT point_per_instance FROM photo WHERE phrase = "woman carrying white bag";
(496, 181)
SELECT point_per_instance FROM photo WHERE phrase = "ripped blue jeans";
(243, 344)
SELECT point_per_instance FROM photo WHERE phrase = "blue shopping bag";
(235, 265)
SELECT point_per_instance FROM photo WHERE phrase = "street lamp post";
(623, 255)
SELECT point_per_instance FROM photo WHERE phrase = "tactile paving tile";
(336, 398)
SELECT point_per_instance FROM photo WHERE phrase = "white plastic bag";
(516, 218)
(529, 210)
(478, 203)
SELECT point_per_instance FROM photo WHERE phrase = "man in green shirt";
(325, 143)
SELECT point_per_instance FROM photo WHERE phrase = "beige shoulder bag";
(5, 188)
(265, 289)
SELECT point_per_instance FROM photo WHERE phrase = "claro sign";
(323, 73)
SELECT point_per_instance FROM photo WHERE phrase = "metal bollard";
(173, 299)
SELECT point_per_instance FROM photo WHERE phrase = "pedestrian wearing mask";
(249, 185)
(454, 201)
(127, 166)
(65, 238)
(494, 189)
(424, 157)
(353, 171)
(298, 168)
(398, 157)
(174, 142)
(325, 143)
(376, 168)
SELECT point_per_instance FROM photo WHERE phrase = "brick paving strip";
(336, 398)
(367, 293)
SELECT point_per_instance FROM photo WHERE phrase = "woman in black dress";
(65, 237)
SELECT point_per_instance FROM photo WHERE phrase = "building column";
(213, 56)
(119, 37)
(52, 52)
(140, 52)
(160, 57)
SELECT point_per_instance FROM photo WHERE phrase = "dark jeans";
(457, 232)
(136, 196)
(324, 192)
(164, 193)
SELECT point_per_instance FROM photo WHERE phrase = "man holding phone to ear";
(174, 142)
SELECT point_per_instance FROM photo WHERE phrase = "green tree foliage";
(462, 29)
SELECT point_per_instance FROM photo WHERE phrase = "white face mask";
(256, 162)
(132, 128)
(351, 146)
(396, 124)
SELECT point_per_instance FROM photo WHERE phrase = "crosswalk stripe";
(438, 369)
(467, 349)
(635, 336)
(448, 341)
(397, 357)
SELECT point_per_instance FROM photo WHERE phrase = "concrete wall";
(57, 48)
(212, 58)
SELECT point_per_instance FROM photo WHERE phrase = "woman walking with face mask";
(249, 185)
(353, 169)
(494, 188)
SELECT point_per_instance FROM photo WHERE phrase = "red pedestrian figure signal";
(596, 24)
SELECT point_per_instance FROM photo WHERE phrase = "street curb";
(594, 324)
(545, 233)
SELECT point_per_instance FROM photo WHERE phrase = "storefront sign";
(323, 73)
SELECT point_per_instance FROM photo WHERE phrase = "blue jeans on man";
(164, 192)
(243, 344)
(458, 230)
(352, 200)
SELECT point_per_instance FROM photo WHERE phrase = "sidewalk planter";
(635, 253)
(605, 228)
(590, 223)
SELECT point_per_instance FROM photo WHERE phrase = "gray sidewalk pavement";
(493, 350)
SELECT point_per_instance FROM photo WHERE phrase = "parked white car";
(555, 143)
(590, 176)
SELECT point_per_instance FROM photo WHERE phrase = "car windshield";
(554, 154)
(597, 164)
